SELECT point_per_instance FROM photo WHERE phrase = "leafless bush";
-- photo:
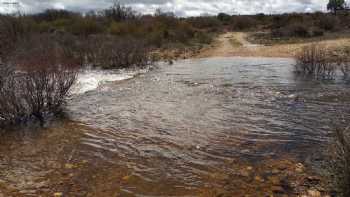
(340, 162)
(320, 61)
(13, 108)
(315, 60)
(119, 12)
(39, 84)
(343, 60)
(45, 89)
(344, 65)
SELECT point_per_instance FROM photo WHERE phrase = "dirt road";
(236, 44)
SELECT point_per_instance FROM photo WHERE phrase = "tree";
(224, 17)
(119, 12)
(334, 5)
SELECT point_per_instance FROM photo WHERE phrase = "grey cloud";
(181, 7)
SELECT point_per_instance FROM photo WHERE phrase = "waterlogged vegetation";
(322, 62)
(340, 168)
(35, 80)
(227, 126)
(319, 61)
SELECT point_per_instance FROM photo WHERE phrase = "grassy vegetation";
(234, 42)
(340, 163)
(319, 61)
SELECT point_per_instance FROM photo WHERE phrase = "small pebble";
(314, 193)
(58, 194)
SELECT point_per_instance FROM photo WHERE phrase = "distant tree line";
(336, 5)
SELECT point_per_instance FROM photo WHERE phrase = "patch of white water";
(89, 80)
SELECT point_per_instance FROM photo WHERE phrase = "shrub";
(61, 24)
(12, 30)
(39, 85)
(85, 27)
(340, 162)
(223, 17)
(342, 60)
(205, 22)
(298, 30)
(33, 93)
(119, 13)
(316, 32)
(13, 109)
(243, 23)
(126, 29)
(112, 52)
(329, 23)
(315, 60)
(182, 33)
(203, 37)
(156, 38)
(125, 53)
(319, 61)
(54, 14)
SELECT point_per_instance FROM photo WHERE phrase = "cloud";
(180, 7)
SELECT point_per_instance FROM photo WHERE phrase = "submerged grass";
(340, 162)
(320, 61)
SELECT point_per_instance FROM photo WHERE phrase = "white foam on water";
(90, 80)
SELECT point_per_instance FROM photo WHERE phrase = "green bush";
(298, 30)
(315, 32)
(205, 22)
(116, 52)
(85, 27)
(203, 37)
(241, 23)
(128, 28)
(182, 33)
(224, 18)
(293, 30)
(54, 14)
(61, 24)
(329, 23)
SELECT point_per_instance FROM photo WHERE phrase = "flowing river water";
(201, 127)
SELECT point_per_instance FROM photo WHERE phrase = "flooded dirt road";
(202, 127)
(238, 44)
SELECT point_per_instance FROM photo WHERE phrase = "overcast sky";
(180, 7)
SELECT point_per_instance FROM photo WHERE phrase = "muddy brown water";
(181, 130)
